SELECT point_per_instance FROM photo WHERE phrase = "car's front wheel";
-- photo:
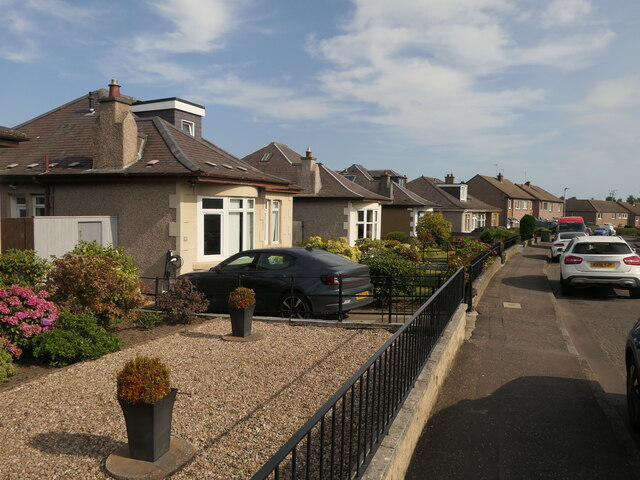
(294, 305)
(633, 395)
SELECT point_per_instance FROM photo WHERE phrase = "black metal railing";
(154, 286)
(340, 439)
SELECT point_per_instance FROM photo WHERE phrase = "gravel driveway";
(240, 401)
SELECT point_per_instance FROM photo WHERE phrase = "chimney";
(449, 178)
(115, 139)
(309, 173)
(386, 185)
(527, 183)
(500, 177)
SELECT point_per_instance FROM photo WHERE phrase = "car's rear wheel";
(294, 305)
(634, 292)
(633, 395)
(565, 288)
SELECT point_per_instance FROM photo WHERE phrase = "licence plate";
(602, 264)
(362, 295)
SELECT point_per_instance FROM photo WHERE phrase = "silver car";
(561, 241)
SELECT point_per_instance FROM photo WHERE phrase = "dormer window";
(188, 127)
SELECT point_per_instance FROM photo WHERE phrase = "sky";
(546, 91)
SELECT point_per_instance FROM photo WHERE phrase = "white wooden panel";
(59, 235)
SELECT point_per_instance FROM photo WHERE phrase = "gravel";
(238, 402)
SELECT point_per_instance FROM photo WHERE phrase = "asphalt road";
(598, 319)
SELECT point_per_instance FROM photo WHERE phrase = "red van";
(571, 224)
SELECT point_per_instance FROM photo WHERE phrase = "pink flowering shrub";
(24, 314)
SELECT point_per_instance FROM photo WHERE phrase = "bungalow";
(328, 204)
(406, 207)
(499, 192)
(140, 175)
(453, 200)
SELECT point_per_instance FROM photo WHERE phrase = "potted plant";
(242, 303)
(146, 398)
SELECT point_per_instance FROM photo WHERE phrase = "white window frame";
(599, 215)
(613, 216)
(509, 204)
(370, 223)
(38, 209)
(275, 220)
(248, 225)
(517, 204)
(190, 127)
(18, 210)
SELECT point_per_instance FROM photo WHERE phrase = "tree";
(434, 224)
(527, 226)
(631, 199)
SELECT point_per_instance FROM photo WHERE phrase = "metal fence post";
(340, 297)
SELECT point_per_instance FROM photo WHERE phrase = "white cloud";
(616, 93)
(565, 12)
(199, 25)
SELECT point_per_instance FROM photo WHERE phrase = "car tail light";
(558, 244)
(634, 260)
(572, 260)
(331, 279)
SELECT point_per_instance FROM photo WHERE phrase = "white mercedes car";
(599, 261)
(561, 241)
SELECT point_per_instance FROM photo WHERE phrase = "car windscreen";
(570, 235)
(571, 227)
(616, 248)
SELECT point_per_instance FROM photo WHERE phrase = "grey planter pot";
(149, 427)
(241, 320)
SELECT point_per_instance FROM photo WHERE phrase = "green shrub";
(143, 380)
(494, 235)
(371, 248)
(433, 225)
(339, 247)
(75, 338)
(6, 364)
(527, 226)
(627, 231)
(402, 237)
(148, 320)
(182, 302)
(23, 268)
(99, 280)
(391, 274)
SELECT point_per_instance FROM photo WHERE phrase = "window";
(39, 209)
(479, 220)
(188, 127)
(509, 203)
(599, 215)
(517, 204)
(275, 221)
(367, 224)
(559, 208)
(545, 206)
(613, 216)
(225, 226)
(19, 206)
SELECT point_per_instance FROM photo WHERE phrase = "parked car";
(631, 354)
(595, 260)
(288, 282)
(561, 241)
(605, 230)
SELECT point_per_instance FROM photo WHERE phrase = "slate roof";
(370, 179)
(279, 159)
(508, 188)
(427, 188)
(65, 136)
(633, 208)
(604, 206)
(539, 193)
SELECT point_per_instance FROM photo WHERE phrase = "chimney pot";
(449, 178)
(114, 88)
(308, 152)
(500, 177)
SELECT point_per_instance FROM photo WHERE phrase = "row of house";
(111, 168)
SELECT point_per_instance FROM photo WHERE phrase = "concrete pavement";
(519, 402)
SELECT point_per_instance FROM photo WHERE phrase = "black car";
(633, 376)
(288, 282)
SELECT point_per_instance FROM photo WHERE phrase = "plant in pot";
(242, 303)
(146, 398)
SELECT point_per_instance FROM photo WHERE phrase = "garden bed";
(239, 402)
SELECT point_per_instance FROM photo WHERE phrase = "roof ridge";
(173, 145)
